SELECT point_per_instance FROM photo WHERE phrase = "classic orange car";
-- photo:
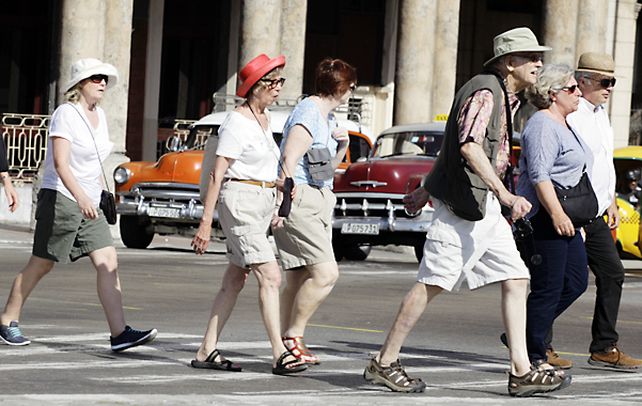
(163, 197)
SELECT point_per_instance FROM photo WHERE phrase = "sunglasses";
(605, 83)
(532, 56)
(99, 78)
(570, 89)
(272, 83)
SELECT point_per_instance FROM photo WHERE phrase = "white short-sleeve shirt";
(256, 155)
(70, 122)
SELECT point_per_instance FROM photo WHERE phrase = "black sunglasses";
(272, 83)
(605, 83)
(531, 56)
(99, 78)
(570, 89)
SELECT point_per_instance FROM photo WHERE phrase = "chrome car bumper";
(169, 202)
(417, 224)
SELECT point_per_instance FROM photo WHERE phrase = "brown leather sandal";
(298, 349)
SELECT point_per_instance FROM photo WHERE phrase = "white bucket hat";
(85, 68)
(519, 39)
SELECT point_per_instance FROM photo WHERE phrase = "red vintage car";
(369, 208)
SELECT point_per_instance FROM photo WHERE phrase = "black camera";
(523, 234)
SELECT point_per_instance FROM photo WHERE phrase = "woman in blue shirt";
(312, 148)
(552, 157)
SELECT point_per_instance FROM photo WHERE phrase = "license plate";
(169, 212)
(360, 228)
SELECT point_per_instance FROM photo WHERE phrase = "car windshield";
(425, 143)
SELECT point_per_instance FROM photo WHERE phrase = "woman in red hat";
(244, 183)
(313, 146)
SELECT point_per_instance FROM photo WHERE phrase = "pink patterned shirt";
(474, 118)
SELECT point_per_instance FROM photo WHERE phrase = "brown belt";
(254, 182)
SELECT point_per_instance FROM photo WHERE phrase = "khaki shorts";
(62, 232)
(306, 235)
(480, 252)
(245, 212)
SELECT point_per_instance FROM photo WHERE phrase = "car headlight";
(122, 175)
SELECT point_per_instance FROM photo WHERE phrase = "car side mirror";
(173, 143)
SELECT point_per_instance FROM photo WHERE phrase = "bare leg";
(108, 286)
(233, 282)
(23, 284)
(514, 293)
(312, 291)
(268, 276)
(412, 307)
(294, 281)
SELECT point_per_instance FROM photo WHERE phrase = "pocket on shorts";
(449, 237)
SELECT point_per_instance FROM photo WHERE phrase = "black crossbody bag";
(107, 199)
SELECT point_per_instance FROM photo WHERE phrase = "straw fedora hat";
(596, 62)
(85, 68)
(519, 39)
(255, 70)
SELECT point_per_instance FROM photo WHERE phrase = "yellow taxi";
(628, 166)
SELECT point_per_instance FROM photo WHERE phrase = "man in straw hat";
(595, 77)
(469, 239)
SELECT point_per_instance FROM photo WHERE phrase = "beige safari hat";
(596, 62)
(519, 39)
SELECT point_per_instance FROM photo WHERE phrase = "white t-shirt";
(256, 155)
(592, 124)
(83, 160)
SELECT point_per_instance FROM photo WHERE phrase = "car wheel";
(357, 252)
(136, 232)
(419, 251)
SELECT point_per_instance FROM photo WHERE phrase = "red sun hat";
(255, 70)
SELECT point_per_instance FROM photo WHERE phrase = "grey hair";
(551, 78)
(259, 85)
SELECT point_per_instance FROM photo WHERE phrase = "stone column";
(152, 78)
(293, 19)
(445, 56)
(591, 27)
(82, 35)
(560, 30)
(260, 29)
(624, 52)
(415, 53)
(117, 50)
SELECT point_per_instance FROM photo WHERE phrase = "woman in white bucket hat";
(69, 222)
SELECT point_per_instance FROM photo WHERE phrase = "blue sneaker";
(12, 335)
(131, 338)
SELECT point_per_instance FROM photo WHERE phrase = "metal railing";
(25, 136)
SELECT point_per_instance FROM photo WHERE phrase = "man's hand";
(613, 216)
(416, 200)
(12, 196)
(87, 207)
(520, 208)
(202, 238)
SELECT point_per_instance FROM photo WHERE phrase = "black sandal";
(211, 363)
(284, 367)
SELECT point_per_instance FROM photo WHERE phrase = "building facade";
(411, 55)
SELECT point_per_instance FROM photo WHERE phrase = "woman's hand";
(87, 207)
(277, 221)
(202, 238)
(10, 193)
(340, 134)
(416, 200)
(562, 224)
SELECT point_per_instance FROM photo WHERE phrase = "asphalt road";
(455, 347)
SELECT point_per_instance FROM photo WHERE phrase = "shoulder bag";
(579, 202)
(107, 200)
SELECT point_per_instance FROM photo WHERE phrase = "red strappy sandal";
(298, 349)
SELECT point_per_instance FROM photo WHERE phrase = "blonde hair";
(260, 85)
(73, 95)
(551, 79)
